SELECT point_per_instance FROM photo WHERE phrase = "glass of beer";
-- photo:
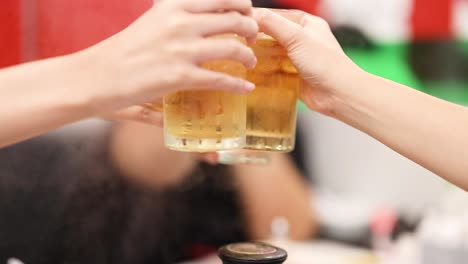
(272, 106)
(206, 120)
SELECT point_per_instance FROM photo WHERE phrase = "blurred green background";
(391, 61)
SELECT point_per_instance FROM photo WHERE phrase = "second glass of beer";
(271, 107)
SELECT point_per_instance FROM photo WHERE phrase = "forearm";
(429, 131)
(276, 190)
(41, 96)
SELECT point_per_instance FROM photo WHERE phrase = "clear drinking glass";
(271, 107)
(207, 120)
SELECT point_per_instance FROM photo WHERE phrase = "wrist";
(337, 83)
(344, 86)
(353, 97)
(95, 87)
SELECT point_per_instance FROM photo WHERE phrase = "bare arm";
(40, 96)
(275, 190)
(427, 130)
(140, 64)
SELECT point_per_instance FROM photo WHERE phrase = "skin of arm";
(429, 131)
(266, 192)
(39, 96)
(140, 64)
(272, 191)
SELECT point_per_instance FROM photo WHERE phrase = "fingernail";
(249, 87)
(252, 41)
(254, 63)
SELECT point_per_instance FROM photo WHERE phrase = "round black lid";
(252, 252)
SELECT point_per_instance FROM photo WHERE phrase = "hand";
(149, 113)
(314, 50)
(163, 50)
(137, 113)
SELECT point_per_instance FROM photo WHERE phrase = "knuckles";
(177, 24)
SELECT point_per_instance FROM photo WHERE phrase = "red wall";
(64, 26)
(432, 19)
(310, 6)
(9, 32)
(67, 26)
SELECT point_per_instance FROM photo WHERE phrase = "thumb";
(280, 28)
(138, 113)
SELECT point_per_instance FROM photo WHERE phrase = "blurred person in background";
(97, 193)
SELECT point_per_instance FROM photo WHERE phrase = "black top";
(62, 201)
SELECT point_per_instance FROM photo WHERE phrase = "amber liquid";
(272, 106)
(206, 120)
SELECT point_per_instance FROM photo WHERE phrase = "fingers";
(221, 49)
(291, 27)
(293, 15)
(284, 25)
(157, 105)
(205, 79)
(310, 21)
(139, 114)
(205, 6)
(214, 24)
(278, 27)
